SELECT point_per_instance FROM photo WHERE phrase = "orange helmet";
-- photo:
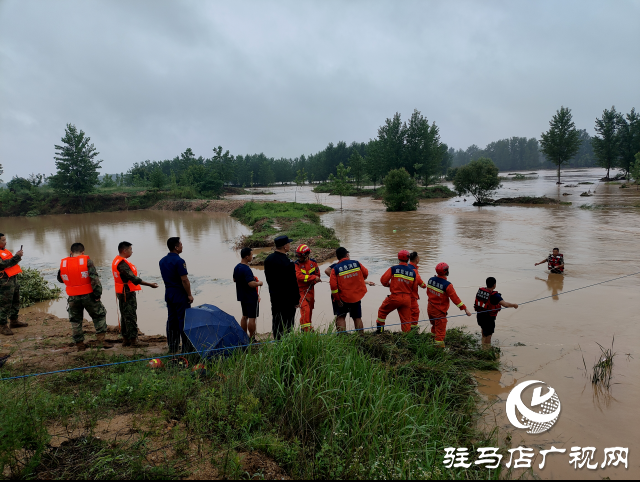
(403, 255)
(155, 363)
(442, 269)
(303, 249)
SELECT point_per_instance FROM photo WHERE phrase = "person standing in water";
(488, 303)
(127, 282)
(555, 262)
(9, 288)
(247, 292)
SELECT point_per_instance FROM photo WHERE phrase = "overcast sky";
(147, 79)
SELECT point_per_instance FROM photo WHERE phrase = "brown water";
(503, 242)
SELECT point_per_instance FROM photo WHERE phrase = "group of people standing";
(292, 287)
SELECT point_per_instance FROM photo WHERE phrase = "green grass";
(436, 192)
(298, 221)
(322, 406)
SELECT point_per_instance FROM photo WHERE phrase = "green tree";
(357, 167)
(629, 132)
(391, 138)
(374, 162)
(157, 178)
(36, 180)
(1, 172)
(562, 141)
(266, 176)
(107, 181)
(211, 185)
(77, 169)
(635, 170)
(223, 164)
(19, 184)
(422, 147)
(479, 178)
(340, 182)
(606, 143)
(400, 191)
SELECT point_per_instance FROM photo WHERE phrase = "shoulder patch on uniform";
(184, 265)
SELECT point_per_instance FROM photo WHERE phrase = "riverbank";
(429, 192)
(298, 221)
(312, 406)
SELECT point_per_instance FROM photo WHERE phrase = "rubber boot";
(5, 330)
(135, 343)
(380, 329)
(81, 346)
(102, 343)
(17, 324)
(126, 341)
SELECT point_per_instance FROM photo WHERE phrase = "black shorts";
(250, 310)
(487, 323)
(353, 309)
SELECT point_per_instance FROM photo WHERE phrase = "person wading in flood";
(348, 281)
(488, 303)
(83, 286)
(177, 295)
(247, 292)
(9, 288)
(414, 260)
(280, 273)
(555, 262)
(403, 279)
(127, 282)
(440, 291)
(307, 274)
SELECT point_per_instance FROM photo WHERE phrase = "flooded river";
(545, 340)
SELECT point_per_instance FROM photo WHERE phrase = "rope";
(274, 341)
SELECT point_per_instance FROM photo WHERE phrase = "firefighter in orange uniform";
(307, 275)
(9, 288)
(82, 283)
(403, 279)
(440, 291)
(127, 282)
(414, 260)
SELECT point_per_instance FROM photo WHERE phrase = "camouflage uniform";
(128, 303)
(91, 302)
(9, 292)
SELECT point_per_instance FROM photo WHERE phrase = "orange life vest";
(75, 274)
(116, 275)
(14, 270)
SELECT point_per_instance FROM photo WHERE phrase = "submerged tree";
(301, 175)
(357, 167)
(77, 171)
(478, 178)
(606, 143)
(562, 141)
(629, 133)
(340, 182)
(635, 170)
(400, 191)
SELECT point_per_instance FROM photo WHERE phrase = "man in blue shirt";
(247, 292)
(177, 295)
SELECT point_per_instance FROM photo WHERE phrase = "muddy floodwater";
(545, 340)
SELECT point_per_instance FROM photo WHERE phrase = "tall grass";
(322, 406)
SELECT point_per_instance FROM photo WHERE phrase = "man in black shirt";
(280, 273)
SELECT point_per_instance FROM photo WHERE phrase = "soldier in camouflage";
(9, 288)
(90, 302)
(127, 283)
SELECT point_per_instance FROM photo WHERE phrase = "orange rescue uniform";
(347, 281)
(440, 291)
(403, 279)
(415, 307)
(307, 274)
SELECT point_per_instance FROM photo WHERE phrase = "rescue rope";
(67, 370)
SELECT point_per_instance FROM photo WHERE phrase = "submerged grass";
(34, 288)
(321, 406)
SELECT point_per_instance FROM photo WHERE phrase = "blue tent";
(210, 329)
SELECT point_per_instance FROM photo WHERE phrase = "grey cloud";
(146, 79)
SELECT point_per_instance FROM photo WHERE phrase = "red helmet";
(403, 255)
(442, 269)
(303, 249)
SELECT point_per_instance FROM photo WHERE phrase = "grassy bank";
(41, 201)
(312, 406)
(298, 221)
(429, 192)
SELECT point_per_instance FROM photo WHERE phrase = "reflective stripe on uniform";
(435, 289)
(460, 304)
(349, 271)
(333, 292)
(403, 277)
